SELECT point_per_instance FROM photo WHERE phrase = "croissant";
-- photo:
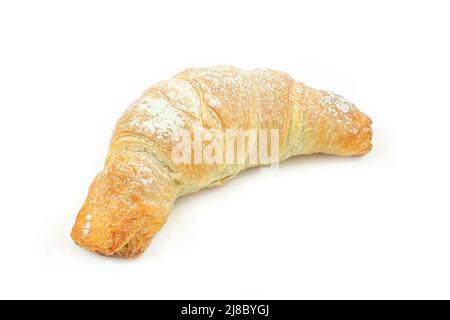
(130, 199)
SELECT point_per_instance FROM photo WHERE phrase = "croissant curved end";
(360, 140)
(116, 219)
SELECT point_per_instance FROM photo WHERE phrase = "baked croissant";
(130, 199)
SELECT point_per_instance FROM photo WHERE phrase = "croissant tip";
(112, 252)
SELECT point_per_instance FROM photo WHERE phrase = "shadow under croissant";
(295, 161)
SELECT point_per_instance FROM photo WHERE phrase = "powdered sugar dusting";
(183, 95)
(163, 120)
(220, 85)
(146, 175)
(212, 101)
(330, 98)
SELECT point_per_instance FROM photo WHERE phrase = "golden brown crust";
(129, 201)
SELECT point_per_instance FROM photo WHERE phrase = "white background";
(322, 227)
